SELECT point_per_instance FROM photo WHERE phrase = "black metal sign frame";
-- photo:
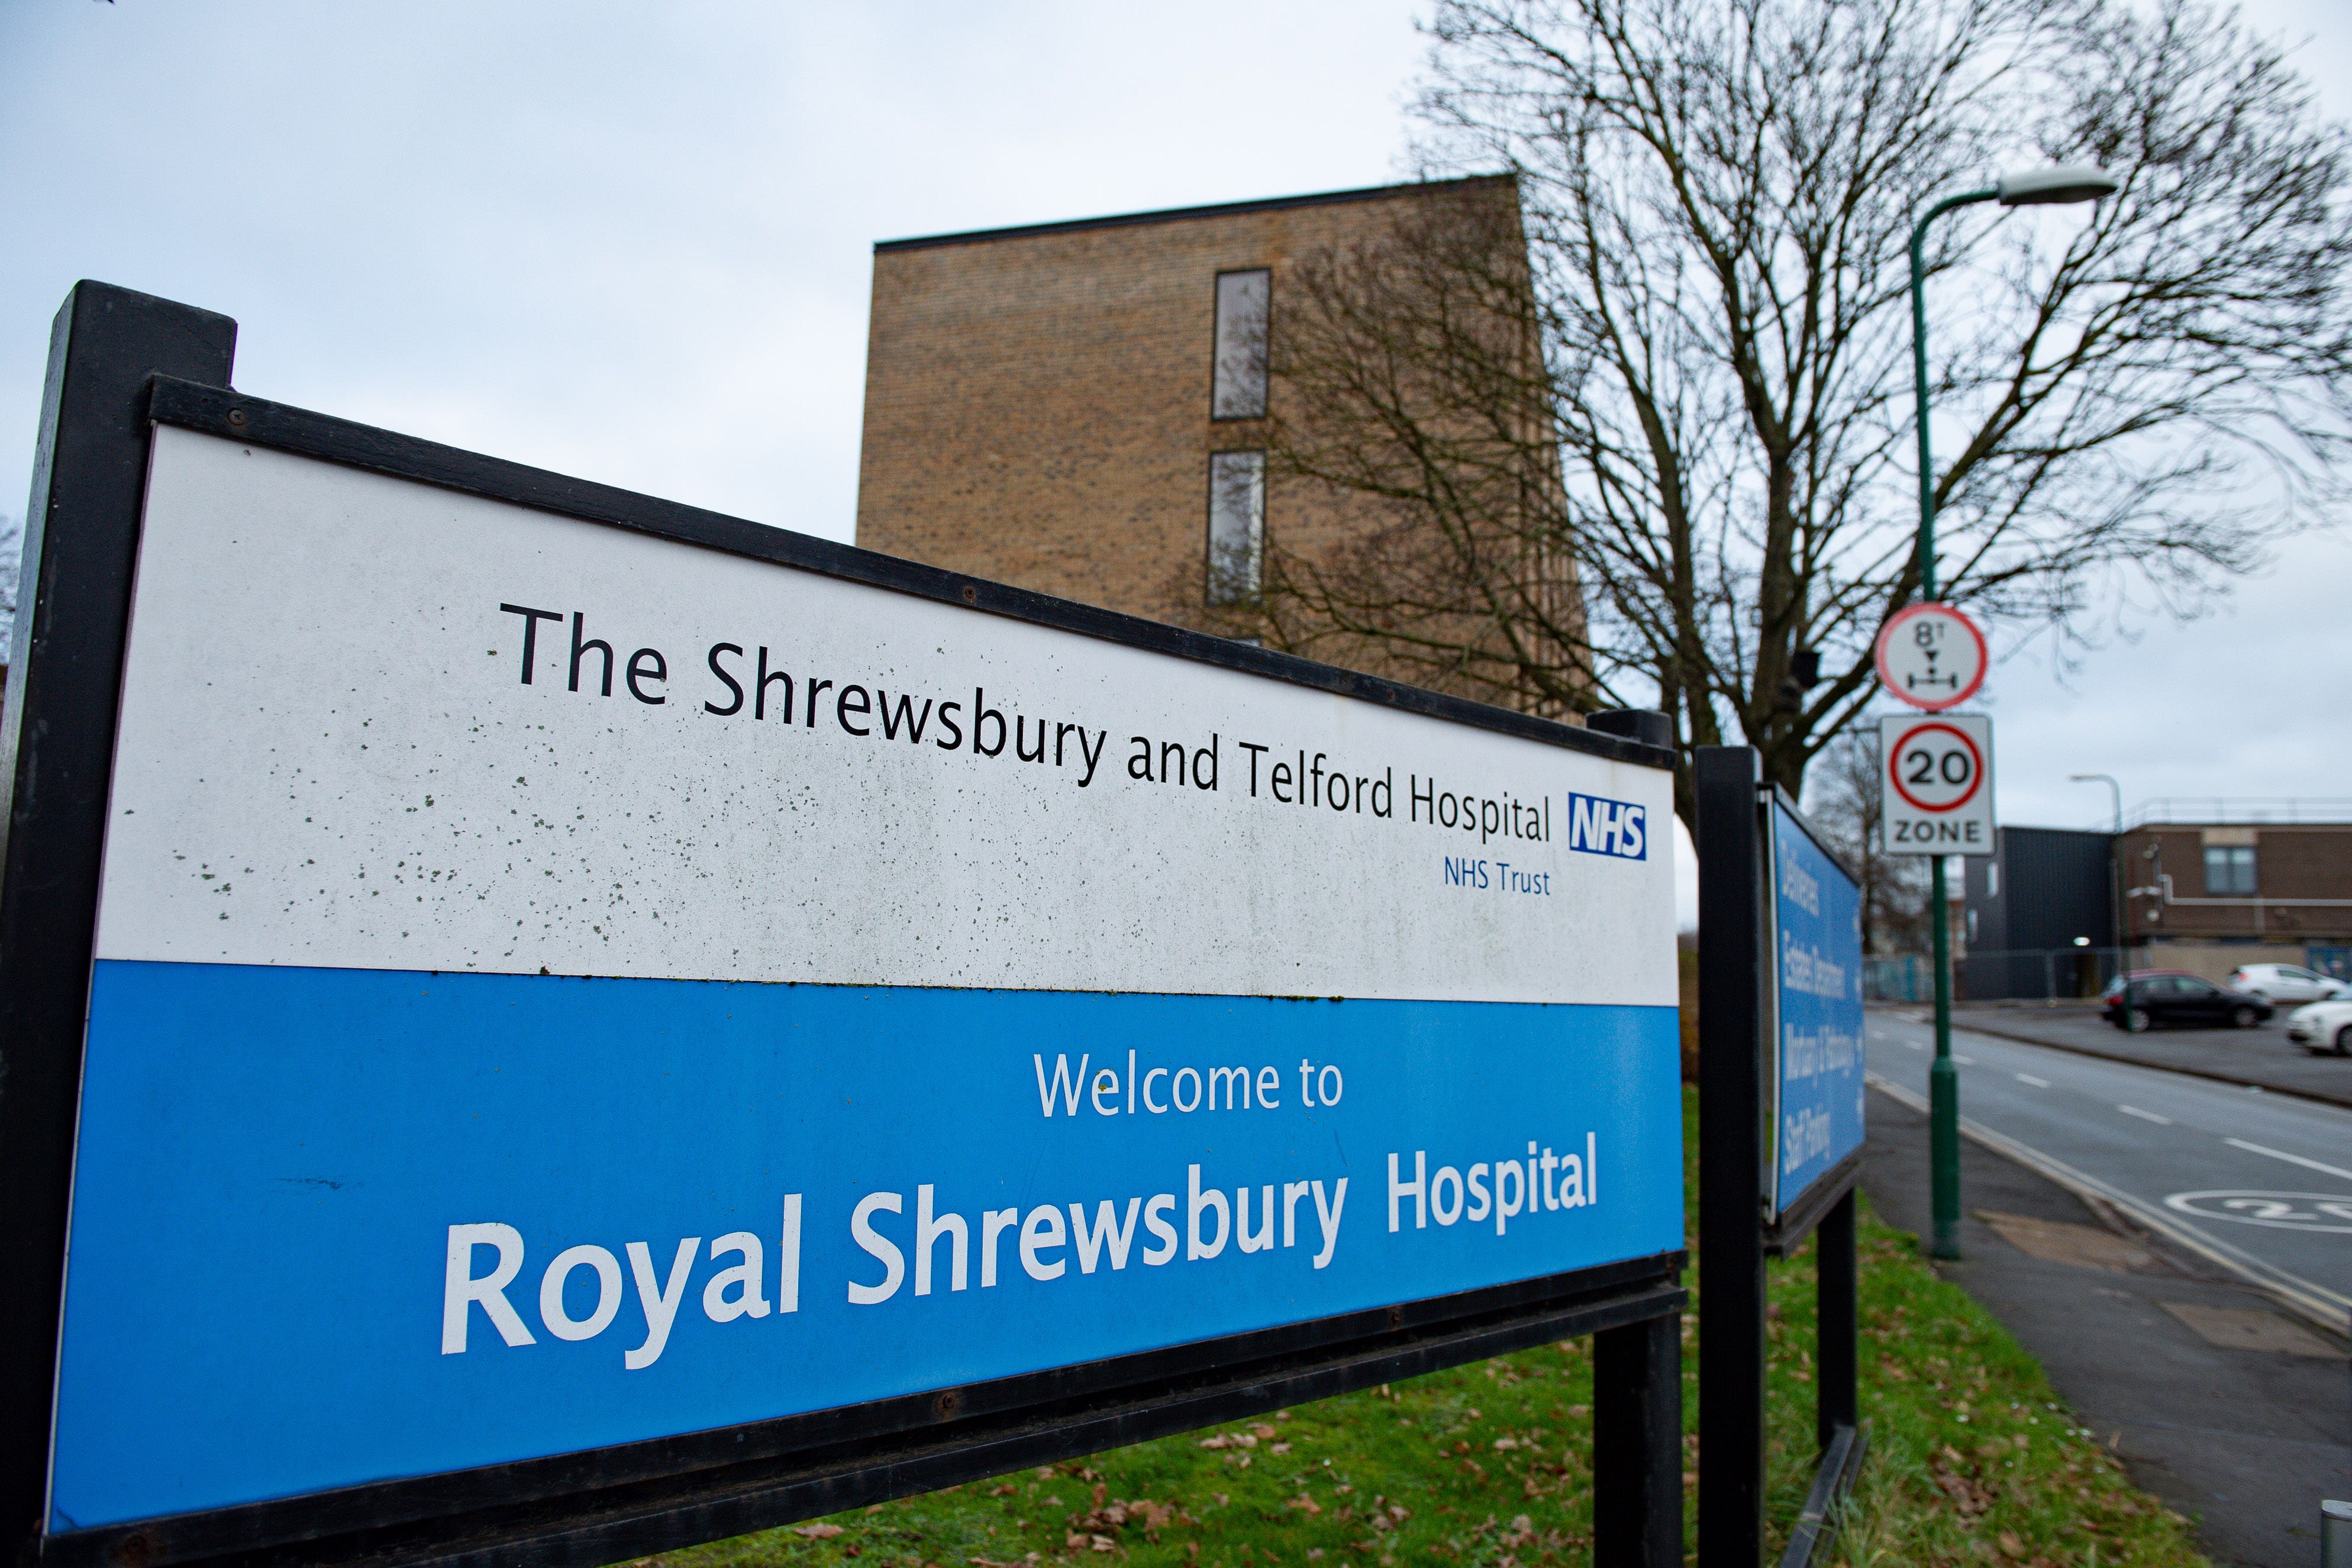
(123, 362)
(1737, 1230)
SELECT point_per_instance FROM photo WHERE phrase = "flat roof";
(1178, 215)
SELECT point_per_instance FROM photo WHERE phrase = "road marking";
(2029, 1077)
(2290, 1159)
(2145, 1115)
(2280, 1211)
(1880, 1035)
(1913, 1045)
(1964, 1061)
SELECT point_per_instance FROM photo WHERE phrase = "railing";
(2248, 811)
(2047, 974)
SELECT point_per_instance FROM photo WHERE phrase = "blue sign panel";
(333, 1226)
(1817, 987)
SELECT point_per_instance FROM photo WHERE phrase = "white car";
(2277, 983)
(2322, 1025)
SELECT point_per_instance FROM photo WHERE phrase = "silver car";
(2277, 983)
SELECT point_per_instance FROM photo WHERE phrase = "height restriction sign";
(1936, 784)
(1931, 655)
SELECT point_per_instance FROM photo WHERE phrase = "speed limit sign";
(1931, 655)
(1935, 783)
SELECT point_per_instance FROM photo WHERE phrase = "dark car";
(2174, 996)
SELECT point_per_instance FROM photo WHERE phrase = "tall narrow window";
(1236, 525)
(1239, 388)
(2229, 870)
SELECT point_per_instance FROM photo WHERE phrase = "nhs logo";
(1597, 826)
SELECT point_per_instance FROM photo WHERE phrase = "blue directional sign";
(1816, 1015)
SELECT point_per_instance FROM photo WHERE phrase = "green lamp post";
(2039, 188)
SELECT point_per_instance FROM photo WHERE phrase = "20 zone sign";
(1937, 784)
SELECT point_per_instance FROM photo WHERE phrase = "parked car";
(2287, 983)
(2149, 997)
(2322, 1025)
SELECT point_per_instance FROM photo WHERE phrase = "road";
(2263, 1055)
(2256, 1174)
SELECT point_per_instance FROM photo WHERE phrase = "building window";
(1236, 525)
(1238, 388)
(2228, 869)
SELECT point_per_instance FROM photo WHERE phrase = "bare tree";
(1847, 803)
(1680, 402)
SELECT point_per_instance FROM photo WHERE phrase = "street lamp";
(2038, 187)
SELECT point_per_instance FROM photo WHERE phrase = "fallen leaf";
(817, 1532)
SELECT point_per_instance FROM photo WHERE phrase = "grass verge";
(1972, 1460)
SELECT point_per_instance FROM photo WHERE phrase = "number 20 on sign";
(1936, 784)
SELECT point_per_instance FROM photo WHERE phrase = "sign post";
(562, 1024)
(1934, 658)
(1781, 1104)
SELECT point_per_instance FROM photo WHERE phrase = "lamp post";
(2039, 188)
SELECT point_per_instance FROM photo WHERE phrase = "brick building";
(2207, 886)
(1082, 408)
(2205, 882)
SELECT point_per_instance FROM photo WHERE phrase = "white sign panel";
(1935, 783)
(371, 724)
(1931, 655)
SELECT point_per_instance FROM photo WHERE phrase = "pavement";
(2234, 1408)
(2262, 1055)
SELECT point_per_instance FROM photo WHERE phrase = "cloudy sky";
(632, 243)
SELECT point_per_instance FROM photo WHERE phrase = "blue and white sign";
(1816, 1010)
(558, 987)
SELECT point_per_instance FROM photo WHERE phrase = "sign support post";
(82, 541)
(1730, 1130)
(1780, 1125)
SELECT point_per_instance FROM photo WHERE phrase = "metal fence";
(2050, 974)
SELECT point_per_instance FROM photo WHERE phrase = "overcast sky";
(632, 243)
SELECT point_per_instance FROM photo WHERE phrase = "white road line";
(1964, 1061)
(2145, 1115)
(2029, 1077)
(1915, 1045)
(1880, 1035)
(2290, 1159)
